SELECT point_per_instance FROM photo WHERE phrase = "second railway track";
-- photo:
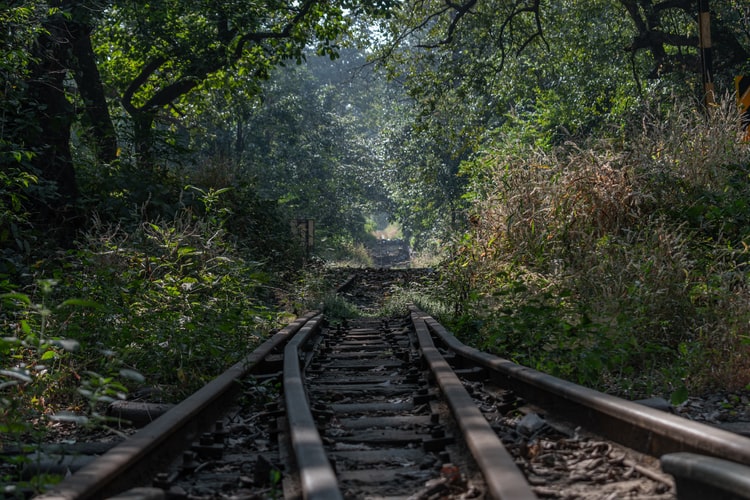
(398, 408)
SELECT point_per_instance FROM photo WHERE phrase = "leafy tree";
(481, 71)
(151, 56)
(314, 143)
(542, 98)
(307, 140)
(23, 27)
(545, 71)
(49, 50)
(668, 30)
(158, 53)
(423, 181)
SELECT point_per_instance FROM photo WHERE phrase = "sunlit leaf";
(132, 375)
(67, 344)
(64, 416)
(17, 373)
(184, 251)
(25, 327)
(679, 396)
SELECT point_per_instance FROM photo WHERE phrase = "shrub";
(170, 304)
(178, 294)
(627, 256)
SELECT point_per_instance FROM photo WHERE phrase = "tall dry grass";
(643, 242)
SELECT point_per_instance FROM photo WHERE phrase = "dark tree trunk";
(63, 51)
(143, 139)
(50, 139)
(91, 90)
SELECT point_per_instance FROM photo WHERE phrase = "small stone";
(530, 424)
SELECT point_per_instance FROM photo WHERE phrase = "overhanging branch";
(285, 32)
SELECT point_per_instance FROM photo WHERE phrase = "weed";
(338, 308)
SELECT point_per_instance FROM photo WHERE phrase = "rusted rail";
(378, 401)
(388, 422)
(316, 473)
(707, 462)
(153, 447)
(634, 425)
(504, 479)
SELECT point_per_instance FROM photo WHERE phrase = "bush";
(177, 293)
(621, 265)
(169, 304)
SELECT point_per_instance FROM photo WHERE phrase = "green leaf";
(81, 303)
(679, 396)
(184, 251)
(12, 427)
(20, 297)
(48, 355)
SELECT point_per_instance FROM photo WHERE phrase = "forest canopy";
(106, 91)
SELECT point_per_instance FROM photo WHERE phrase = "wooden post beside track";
(704, 44)
(742, 86)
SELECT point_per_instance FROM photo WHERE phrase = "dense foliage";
(624, 263)
(591, 174)
(152, 158)
(591, 215)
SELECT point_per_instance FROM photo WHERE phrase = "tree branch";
(259, 36)
(138, 81)
(460, 11)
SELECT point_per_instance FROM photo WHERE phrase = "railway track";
(398, 408)
(390, 253)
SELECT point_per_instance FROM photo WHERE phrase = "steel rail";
(699, 477)
(317, 477)
(634, 425)
(134, 461)
(501, 474)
